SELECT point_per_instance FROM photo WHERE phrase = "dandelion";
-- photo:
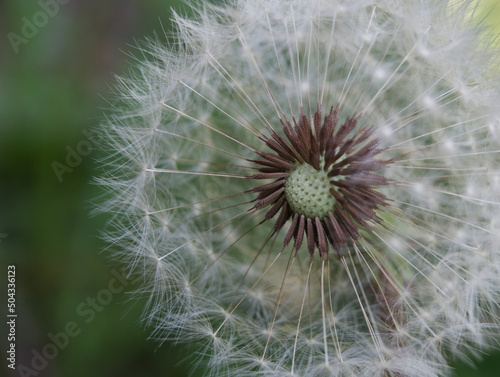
(311, 188)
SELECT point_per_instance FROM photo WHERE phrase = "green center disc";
(307, 191)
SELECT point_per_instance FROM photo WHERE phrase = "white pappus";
(311, 188)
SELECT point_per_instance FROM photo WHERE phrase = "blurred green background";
(53, 91)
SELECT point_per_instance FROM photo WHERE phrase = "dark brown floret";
(347, 153)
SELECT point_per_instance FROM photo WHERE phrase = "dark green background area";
(53, 90)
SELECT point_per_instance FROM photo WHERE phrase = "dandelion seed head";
(274, 132)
